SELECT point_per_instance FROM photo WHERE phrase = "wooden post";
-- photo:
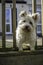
(14, 24)
(34, 11)
(42, 18)
(33, 6)
(3, 23)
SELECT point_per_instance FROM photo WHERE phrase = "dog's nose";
(27, 27)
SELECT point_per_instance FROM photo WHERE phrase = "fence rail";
(42, 19)
(3, 23)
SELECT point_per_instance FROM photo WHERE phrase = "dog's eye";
(30, 22)
(24, 21)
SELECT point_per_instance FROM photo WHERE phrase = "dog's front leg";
(32, 46)
(19, 45)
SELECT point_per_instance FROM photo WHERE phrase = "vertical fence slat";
(3, 23)
(42, 18)
(14, 24)
(34, 11)
(33, 6)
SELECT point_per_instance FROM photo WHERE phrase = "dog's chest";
(27, 37)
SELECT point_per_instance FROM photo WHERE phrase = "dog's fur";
(26, 30)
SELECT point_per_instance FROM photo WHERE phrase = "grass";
(9, 43)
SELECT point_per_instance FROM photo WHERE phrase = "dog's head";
(28, 21)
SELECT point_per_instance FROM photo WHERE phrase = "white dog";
(26, 30)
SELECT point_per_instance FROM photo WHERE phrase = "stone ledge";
(20, 53)
(21, 58)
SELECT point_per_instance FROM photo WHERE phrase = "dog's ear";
(23, 13)
(36, 16)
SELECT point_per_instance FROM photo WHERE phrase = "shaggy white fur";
(26, 30)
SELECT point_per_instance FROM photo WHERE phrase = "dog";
(26, 30)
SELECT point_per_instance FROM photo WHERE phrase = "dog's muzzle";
(27, 28)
